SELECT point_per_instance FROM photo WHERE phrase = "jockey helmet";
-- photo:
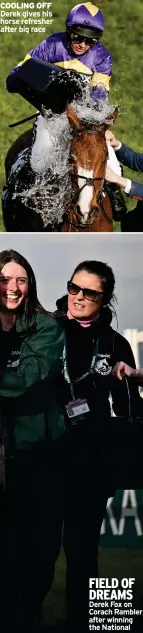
(87, 21)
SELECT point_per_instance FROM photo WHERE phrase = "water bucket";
(43, 83)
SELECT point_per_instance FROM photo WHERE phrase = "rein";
(29, 118)
(87, 131)
(87, 224)
(91, 181)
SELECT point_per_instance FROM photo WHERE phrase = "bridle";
(90, 181)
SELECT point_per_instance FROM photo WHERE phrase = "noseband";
(90, 181)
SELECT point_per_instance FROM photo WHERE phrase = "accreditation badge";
(77, 408)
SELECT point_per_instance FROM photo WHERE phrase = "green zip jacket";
(28, 390)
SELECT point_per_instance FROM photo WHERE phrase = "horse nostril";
(78, 208)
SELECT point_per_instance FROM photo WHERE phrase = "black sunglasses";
(88, 293)
(80, 38)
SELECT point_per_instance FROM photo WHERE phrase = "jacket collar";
(22, 325)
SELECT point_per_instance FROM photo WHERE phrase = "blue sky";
(54, 256)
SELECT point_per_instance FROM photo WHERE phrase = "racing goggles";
(90, 41)
(88, 293)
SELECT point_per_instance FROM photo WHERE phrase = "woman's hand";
(121, 368)
(111, 138)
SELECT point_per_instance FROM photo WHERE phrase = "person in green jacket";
(31, 344)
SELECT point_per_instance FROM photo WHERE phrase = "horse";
(90, 207)
(43, 178)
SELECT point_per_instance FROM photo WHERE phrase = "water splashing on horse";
(57, 183)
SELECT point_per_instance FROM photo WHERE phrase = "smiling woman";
(31, 343)
(13, 291)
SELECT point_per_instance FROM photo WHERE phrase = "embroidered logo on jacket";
(103, 367)
(14, 362)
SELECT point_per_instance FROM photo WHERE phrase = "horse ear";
(115, 114)
(112, 118)
(73, 118)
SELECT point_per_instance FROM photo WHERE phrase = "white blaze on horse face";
(86, 194)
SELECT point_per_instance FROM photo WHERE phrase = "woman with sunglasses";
(91, 350)
(79, 48)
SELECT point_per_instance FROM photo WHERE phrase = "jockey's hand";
(121, 368)
(111, 138)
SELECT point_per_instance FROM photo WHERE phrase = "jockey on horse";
(80, 49)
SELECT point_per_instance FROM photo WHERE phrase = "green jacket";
(28, 390)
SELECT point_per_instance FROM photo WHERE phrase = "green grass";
(123, 38)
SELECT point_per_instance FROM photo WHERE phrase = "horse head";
(89, 155)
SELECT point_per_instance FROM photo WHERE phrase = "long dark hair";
(32, 304)
(106, 275)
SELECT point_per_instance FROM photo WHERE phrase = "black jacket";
(96, 388)
(105, 448)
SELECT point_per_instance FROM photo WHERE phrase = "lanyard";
(66, 372)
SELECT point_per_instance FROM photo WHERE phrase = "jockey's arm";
(100, 82)
(42, 51)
